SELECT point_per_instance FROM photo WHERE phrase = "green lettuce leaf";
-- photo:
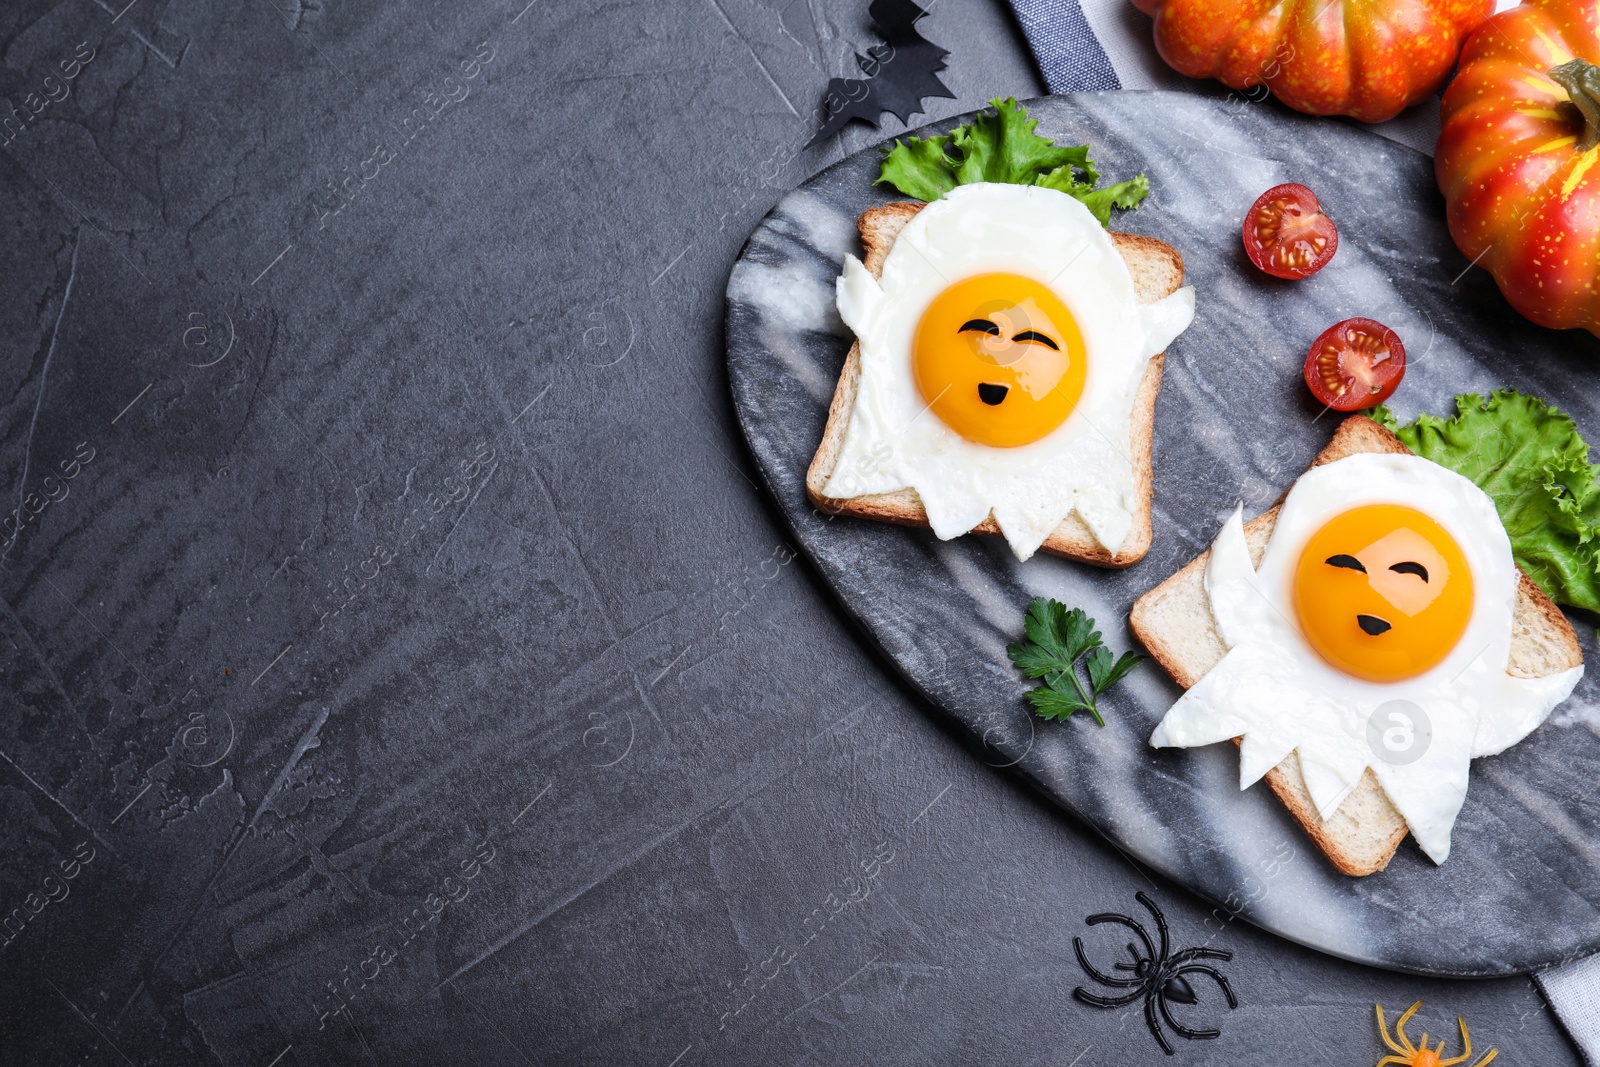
(1531, 460)
(1001, 146)
(1125, 195)
(919, 168)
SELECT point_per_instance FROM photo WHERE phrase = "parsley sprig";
(1057, 640)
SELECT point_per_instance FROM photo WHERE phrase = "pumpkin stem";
(1581, 79)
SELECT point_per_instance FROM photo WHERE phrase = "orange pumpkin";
(1365, 58)
(1516, 158)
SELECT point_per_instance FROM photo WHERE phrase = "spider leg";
(1096, 1001)
(1133, 952)
(1154, 1024)
(1466, 1048)
(1400, 1028)
(1215, 975)
(1096, 974)
(1201, 953)
(1181, 1030)
(1107, 917)
(1383, 1030)
(1485, 1061)
(1161, 922)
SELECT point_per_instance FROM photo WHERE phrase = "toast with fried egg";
(1175, 623)
(1157, 271)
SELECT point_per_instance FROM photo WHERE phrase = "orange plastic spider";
(1420, 1055)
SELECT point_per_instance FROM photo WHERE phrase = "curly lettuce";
(1533, 463)
(1000, 146)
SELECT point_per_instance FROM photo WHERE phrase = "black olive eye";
(1409, 567)
(1034, 335)
(1343, 560)
(979, 326)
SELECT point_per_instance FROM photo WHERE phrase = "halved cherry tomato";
(1355, 365)
(1287, 234)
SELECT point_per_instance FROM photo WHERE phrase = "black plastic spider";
(1157, 976)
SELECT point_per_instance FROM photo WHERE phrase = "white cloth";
(1573, 991)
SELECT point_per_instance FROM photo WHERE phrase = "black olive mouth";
(991, 393)
(1372, 625)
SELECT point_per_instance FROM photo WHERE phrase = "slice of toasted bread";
(1174, 622)
(1157, 271)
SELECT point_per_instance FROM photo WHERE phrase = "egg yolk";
(1383, 592)
(1000, 359)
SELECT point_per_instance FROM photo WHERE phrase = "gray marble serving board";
(1234, 423)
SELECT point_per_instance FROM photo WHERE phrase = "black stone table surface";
(402, 661)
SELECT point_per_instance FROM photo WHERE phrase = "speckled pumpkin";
(1516, 158)
(1368, 59)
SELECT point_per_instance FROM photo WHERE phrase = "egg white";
(893, 441)
(1275, 691)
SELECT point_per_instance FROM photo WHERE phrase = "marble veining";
(1522, 887)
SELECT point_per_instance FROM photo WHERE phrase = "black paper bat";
(900, 73)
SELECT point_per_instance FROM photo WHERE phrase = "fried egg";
(1375, 633)
(1001, 352)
